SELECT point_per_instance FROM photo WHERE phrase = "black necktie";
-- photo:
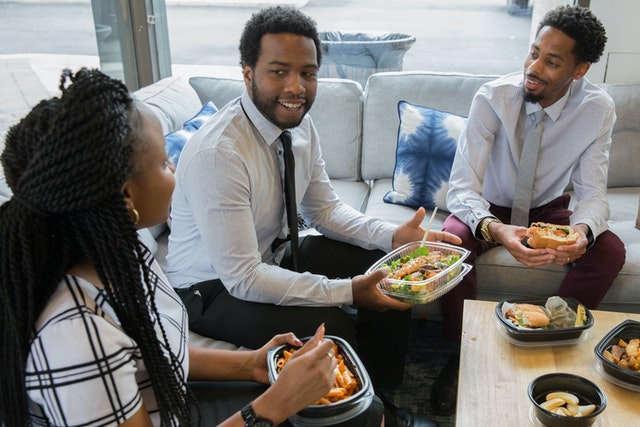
(290, 195)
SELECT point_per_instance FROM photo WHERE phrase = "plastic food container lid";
(423, 291)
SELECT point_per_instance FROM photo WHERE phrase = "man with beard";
(228, 255)
(576, 120)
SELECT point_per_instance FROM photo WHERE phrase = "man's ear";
(581, 70)
(247, 75)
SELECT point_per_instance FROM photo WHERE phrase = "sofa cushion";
(625, 146)
(174, 141)
(172, 101)
(336, 113)
(443, 91)
(638, 216)
(427, 141)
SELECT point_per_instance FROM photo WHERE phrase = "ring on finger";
(330, 355)
(568, 260)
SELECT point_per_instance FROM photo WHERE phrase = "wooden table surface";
(495, 374)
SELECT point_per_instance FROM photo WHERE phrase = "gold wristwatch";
(484, 229)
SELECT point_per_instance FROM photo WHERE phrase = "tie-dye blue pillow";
(174, 142)
(427, 141)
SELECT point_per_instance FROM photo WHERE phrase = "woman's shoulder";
(76, 320)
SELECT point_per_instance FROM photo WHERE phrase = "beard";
(268, 108)
(528, 96)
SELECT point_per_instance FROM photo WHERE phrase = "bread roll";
(532, 316)
(545, 235)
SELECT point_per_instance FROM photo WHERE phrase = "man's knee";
(609, 249)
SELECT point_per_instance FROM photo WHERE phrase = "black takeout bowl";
(586, 391)
(626, 330)
(540, 335)
(337, 412)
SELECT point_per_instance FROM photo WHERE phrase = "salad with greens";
(409, 274)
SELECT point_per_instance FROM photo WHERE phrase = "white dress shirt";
(575, 147)
(228, 208)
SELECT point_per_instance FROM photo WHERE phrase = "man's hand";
(366, 293)
(511, 236)
(567, 254)
(411, 231)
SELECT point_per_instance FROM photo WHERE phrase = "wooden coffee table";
(495, 374)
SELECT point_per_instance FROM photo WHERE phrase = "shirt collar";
(265, 128)
(554, 110)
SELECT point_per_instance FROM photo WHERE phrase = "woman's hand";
(307, 376)
(261, 373)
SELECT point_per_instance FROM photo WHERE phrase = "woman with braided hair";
(92, 334)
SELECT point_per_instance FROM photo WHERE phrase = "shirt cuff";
(341, 291)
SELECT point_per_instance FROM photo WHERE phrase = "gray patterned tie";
(527, 172)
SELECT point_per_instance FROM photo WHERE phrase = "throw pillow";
(427, 141)
(174, 141)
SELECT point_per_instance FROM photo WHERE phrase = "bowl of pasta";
(351, 394)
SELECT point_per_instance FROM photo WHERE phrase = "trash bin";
(518, 7)
(356, 55)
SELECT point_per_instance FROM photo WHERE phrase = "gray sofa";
(358, 131)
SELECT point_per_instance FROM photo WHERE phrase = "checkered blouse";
(83, 369)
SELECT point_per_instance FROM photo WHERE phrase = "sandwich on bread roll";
(545, 235)
(528, 316)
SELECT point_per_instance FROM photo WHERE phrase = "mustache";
(532, 76)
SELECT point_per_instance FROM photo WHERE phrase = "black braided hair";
(580, 24)
(65, 163)
(275, 20)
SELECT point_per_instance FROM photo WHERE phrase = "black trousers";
(217, 401)
(380, 338)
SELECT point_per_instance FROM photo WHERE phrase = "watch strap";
(484, 228)
(251, 419)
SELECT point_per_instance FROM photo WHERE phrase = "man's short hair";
(580, 24)
(275, 20)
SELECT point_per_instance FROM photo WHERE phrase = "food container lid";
(423, 291)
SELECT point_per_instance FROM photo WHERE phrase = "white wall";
(620, 62)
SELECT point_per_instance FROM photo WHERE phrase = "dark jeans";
(218, 401)
(588, 279)
(380, 338)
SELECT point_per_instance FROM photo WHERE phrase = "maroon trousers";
(588, 279)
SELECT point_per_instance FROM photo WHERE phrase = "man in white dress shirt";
(227, 252)
(576, 136)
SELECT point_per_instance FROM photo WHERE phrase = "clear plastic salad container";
(449, 271)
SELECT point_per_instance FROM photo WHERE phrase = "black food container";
(586, 391)
(538, 334)
(337, 412)
(626, 330)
